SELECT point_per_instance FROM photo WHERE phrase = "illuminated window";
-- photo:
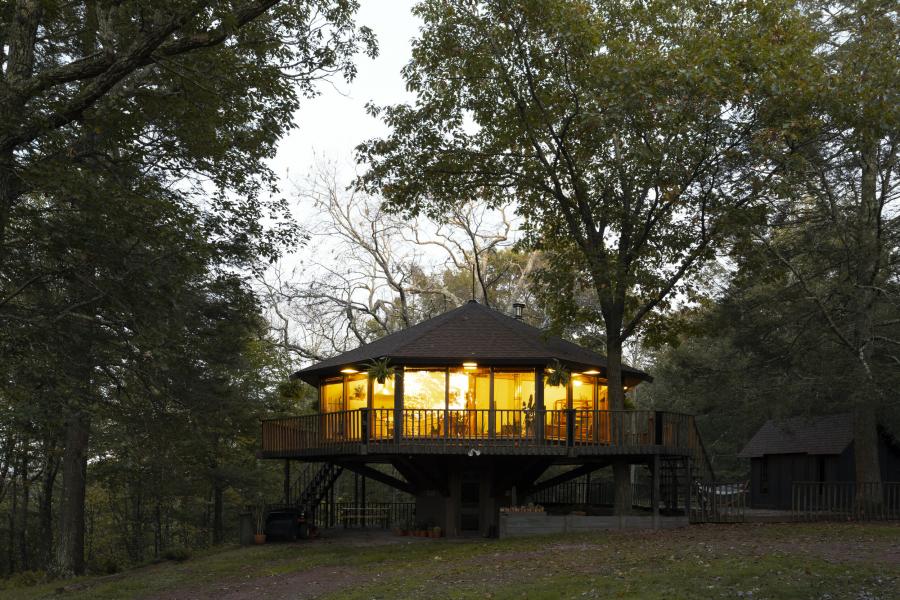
(556, 401)
(555, 396)
(333, 396)
(424, 403)
(357, 391)
(583, 403)
(583, 392)
(602, 396)
(382, 409)
(424, 389)
(514, 402)
(469, 401)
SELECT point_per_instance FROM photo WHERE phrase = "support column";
(688, 484)
(540, 414)
(654, 489)
(362, 506)
(287, 481)
(398, 405)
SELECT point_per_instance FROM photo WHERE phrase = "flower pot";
(259, 538)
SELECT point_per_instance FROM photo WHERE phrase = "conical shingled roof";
(472, 332)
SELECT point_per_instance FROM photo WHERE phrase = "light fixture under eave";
(470, 365)
(591, 372)
(349, 371)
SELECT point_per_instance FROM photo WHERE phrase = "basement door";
(470, 502)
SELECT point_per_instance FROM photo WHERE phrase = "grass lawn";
(779, 561)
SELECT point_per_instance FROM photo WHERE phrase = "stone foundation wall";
(516, 524)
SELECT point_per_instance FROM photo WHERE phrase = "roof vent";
(518, 307)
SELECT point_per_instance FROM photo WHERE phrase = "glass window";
(469, 402)
(383, 409)
(424, 389)
(357, 391)
(555, 397)
(424, 402)
(555, 403)
(583, 392)
(383, 393)
(333, 396)
(602, 396)
(514, 402)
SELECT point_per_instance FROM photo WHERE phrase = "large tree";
(625, 132)
(133, 135)
(172, 83)
(834, 224)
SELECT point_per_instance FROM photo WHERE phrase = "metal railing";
(719, 502)
(845, 501)
(344, 431)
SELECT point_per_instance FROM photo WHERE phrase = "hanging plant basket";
(380, 370)
(557, 374)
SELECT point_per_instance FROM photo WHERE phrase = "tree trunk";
(45, 509)
(218, 523)
(9, 192)
(621, 470)
(24, 554)
(70, 548)
(868, 274)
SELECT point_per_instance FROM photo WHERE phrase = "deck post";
(398, 406)
(364, 426)
(570, 427)
(287, 481)
(688, 485)
(539, 409)
(654, 489)
(492, 412)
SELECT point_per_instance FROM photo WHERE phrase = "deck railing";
(345, 431)
(845, 501)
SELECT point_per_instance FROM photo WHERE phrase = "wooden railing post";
(398, 406)
(570, 427)
(364, 425)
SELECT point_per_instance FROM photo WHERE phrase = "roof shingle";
(830, 434)
(470, 332)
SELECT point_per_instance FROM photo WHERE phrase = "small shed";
(808, 449)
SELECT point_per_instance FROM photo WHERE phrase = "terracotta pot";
(259, 538)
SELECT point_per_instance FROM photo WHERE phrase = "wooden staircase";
(312, 486)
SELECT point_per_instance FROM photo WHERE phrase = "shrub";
(177, 553)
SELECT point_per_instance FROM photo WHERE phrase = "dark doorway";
(470, 501)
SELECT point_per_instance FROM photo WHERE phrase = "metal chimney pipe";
(518, 307)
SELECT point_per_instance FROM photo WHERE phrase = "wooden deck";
(558, 433)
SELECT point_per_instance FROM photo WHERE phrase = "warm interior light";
(576, 382)
(349, 371)
(625, 388)
(591, 372)
(470, 365)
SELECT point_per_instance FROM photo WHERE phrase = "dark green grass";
(788, 561)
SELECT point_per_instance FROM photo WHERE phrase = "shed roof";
(472, 332)
(829, 434)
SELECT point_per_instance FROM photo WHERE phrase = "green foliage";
(177, 553)
(557, 374)
(135, 200)
(380, 369)
(628, 135)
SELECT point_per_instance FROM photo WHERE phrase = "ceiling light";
(470, 365)
(349, 370)
(591, 372)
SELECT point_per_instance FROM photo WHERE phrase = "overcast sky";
(331, 125)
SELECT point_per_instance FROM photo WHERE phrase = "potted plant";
(557, 374)
(435, 532)
(380, 369)
(259, 519)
